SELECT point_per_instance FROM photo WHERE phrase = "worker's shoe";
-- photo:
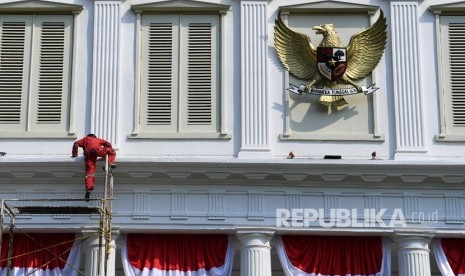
(111, 167)
(87, 196)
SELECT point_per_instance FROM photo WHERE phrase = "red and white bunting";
(334, 256)
(177, 255)
(41, 254)
(450, 256)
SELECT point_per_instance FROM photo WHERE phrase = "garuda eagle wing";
(366, 48)
(295, 51)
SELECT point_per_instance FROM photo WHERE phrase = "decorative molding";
(295, 176)
(293, 202)
(453, 178)
(141, 207)
(330, 202)
(373, 177)
(372, 202)
(178, 206)
(454, 210)
(255, 210)
(411, 207)
(216, 209)
(333, 177)
(23, 174)
(178, 174)
(413, 178)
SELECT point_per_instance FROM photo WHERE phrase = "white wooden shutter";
(453, 58)
(15, 32)
(159, 83)
(50, 82)
(199, 73)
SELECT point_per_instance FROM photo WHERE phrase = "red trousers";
(91, 161)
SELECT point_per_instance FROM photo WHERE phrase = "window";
(34, 72)
(453, 34)
(180, 74)
(451, 46)
(36, 54)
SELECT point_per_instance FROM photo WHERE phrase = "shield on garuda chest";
(331, 62)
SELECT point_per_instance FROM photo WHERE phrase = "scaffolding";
(105, 210)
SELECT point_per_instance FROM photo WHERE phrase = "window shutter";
(49, 78)
(14, 45)
(457, 72)
(159, 78)
(199, 73)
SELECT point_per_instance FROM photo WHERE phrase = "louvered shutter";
(50, 72)
(15, 32)
(199, 73)
(453, 58)
(159, 82)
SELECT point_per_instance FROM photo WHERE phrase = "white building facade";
(194, 98)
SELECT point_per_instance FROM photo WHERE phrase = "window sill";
(37, 135)
(191, 135)
(450, 138)
(332, 137)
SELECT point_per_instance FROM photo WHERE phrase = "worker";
(93, 148)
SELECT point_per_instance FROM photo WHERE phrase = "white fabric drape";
(223, 270)
(291, 270)
(450, 256)
(441, 259)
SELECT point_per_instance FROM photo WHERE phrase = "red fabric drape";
(176, 252)
(31, 252)
(454, 250)
(335, 255)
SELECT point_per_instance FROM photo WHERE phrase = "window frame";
(44, 8)
(184, 7)
(442, 12)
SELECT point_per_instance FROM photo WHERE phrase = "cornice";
(180, 5)
(449, 9)
(39, 6)
(329, 6)
(273, 172)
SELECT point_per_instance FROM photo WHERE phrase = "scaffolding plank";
(57, 210)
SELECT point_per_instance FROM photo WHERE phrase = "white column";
(111, 261)
(105, 69)
(91, 251)
(255, 252)
(410, 140)
(254, 80)
(413, 254)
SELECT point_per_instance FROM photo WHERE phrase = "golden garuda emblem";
(331, 68)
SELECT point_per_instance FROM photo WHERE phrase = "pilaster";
(254, 80)
(105, 69)
(413, 253)
(410, 141)
(255, 252)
